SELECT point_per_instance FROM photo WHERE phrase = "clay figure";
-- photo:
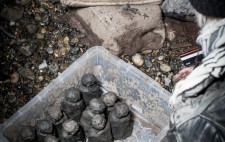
(89, 87)
(57, 117)
(73, 104)
(109, 99)
(43, 128)
(120, 121)
(26, 134)
(96, 106)
(100, 130)
(72, 132)
(51, 138)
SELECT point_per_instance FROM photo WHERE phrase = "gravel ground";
(36, 46)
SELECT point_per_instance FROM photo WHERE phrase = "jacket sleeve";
(209, 126)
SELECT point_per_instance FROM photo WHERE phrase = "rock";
(50, 50)
(28, 49)
(40, 35)
(80, 45)
(40, 78)
(178, 9)
(38, 17)
(43, 30)
(129, 33)
(12, 14)
(24, 2)
(31, 28)
(12, 23)
(165, 68)
(74, 51)
(55, 1)
(73, 41)
(26, 73)
(148, 62)
(160, 58)
(11, 99)
(53, 67)
(138, 59)
(45, 19)
(43, 65)
(15, 77)
(167, 81)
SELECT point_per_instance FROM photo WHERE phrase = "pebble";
(12, 14)
(40, 78)
(55, 1)
(11, 99)
(80, 45)
(43, 65)
(50, 50)
(160, 58)
(15, 77)
(74, 51)
(31, 28)
(167, 81)
(45, 20)
(137, 59)
(158, 79)
(73, 58)
(12, 23)
(40, 35)
(43, 30)
(53, 67)
(73, 41)
(148, 62)
(26, 73)
(24, 2)
(28, 49)
(165, 67)
(38, 17)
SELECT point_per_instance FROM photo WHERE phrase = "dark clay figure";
(100, 130)
(26, 134)
(72, 132)
(89, 87)
(57, 117)
(43, 128)
(51, 138)
(120, 121)
(73, 104)
(109, 99)
(96, 106)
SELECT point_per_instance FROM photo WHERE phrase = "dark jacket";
(202, 119)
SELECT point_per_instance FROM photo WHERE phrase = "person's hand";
(182, 74)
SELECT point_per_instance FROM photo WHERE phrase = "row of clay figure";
(83, 113)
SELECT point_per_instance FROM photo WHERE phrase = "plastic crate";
(146, 98)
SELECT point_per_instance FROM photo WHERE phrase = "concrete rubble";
(123, 31)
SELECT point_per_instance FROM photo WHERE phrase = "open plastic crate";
(146, 98)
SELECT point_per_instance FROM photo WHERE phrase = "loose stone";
(12, 14)
(43, 65)
(53, 67)
(40, 78)
(50, 50)
(28, 49)
(31, 28)
(165, 68)
(160, 58)
(148, 63)
(26, 73)
(15, 77)
(138, 59)
(74, 51)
